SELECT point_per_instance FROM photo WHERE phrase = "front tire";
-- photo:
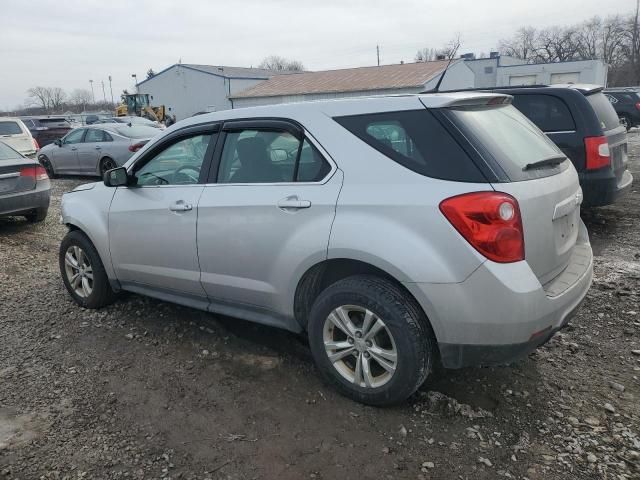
(46, 163)
(83, 273)
(370, 340)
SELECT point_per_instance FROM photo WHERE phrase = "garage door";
(568, 77)
(522, 80)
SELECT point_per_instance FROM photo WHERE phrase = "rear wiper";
(545, 162)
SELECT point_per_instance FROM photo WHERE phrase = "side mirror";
(58, 142)
(116, 177)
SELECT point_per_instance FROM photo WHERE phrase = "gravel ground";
(145, 389)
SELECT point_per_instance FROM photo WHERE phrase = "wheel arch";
(325, 273)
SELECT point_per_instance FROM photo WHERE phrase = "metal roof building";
(191, 88)
(354, 82)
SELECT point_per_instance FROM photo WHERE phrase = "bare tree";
(588, 37)
(57, 97)
(425, 55)
(150, 73)
(557, 44)
(80, 97)
(281, 64)
(40, 96)
(522, 45)
(451, 48)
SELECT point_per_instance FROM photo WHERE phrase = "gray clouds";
(66, 43)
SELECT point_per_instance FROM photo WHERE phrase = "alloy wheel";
(79, 271)
(360, 346)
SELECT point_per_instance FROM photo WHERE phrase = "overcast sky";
(66, 43)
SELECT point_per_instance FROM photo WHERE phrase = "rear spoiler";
(476, 100)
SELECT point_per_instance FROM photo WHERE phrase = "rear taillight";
(490, 222)
(638, 106)
(597, 149)
(136, 146)
(35, 144)
(37, 172)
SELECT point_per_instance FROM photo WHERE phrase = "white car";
(15, 134)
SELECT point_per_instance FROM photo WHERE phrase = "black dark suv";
(47, 130)
(582, 122)
(626, 103)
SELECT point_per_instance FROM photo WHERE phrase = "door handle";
(293, 202)
(180, 206)
(98, 147)
(74, 148)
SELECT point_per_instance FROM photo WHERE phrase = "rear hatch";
(615, 133)
(17, 173)
(16, 135)
(51, 129)
(533, 170)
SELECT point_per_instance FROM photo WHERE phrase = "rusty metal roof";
(384, 77)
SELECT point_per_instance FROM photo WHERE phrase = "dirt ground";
(145, 389)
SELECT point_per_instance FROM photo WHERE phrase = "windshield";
(508, 137)
(605, 112)
(8, 153)
(137, 131)
(10, 128)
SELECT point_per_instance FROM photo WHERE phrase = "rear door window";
(506, 136)
(416, 140)
(94, 135)
(10, 128)
(549, 113)
(607, 116)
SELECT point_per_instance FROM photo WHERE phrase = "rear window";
(137, 131)
(509, 138)
(607, 116)
(54, 122)
(549, 113)
(8, 153)
(10, 128)
(416, 140)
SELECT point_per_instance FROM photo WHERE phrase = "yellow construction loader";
(138, 105)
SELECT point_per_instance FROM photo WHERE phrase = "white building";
(188, 89)
(579, 71)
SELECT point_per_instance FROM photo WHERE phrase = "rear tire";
(37, 215)
(403, 340)
(626, 121)
(83, 273)
(46, 163)
(106, 164)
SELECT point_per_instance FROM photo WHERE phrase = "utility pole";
(104, 95)
(378, 53)
(93, 95)
(135, 79)
(111, 88)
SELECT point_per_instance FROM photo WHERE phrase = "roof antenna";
(437, 87)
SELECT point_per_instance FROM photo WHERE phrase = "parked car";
(15, 134)
(46, 130)
(133, 121)
(626, 103)
(24, 186)
(396, 231)
(94, 149)
(582, 122)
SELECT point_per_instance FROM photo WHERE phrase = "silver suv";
(397, 232)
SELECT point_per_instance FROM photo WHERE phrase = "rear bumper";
(603, 188)
(502, 312)
(24, 202)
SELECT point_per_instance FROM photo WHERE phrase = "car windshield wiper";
(545, 162)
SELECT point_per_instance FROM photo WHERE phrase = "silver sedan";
(95, 149)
